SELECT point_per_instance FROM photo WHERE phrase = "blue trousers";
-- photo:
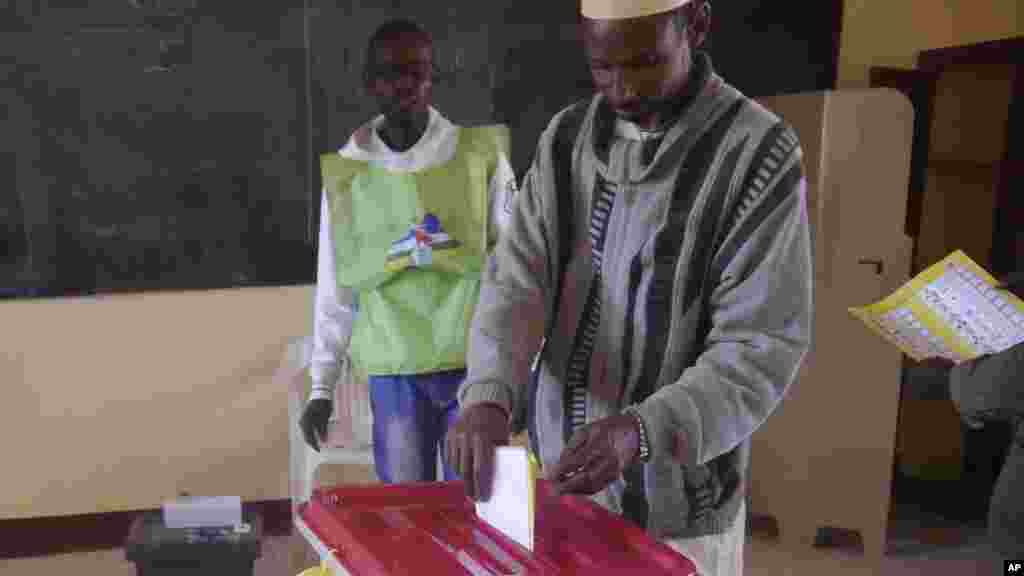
(411, 415)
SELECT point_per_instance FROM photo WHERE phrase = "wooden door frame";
(919, 87)
(1009, 216)
(1008, 51)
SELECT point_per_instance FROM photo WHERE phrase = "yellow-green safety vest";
(412, 246)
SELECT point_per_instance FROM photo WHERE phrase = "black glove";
(596, 455)
(470, 446)
(314, 421)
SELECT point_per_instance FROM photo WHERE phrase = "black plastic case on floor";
(160, 551)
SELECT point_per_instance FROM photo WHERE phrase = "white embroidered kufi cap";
(622, 9)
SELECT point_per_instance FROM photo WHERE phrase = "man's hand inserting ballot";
(314, 421)
(470, 444)
(596, 455)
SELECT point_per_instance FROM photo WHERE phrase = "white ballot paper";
(511, 507)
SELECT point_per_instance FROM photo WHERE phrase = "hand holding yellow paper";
(952, 310)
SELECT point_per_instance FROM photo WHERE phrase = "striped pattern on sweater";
(579, 362)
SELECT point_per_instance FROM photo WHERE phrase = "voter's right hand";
(470, 444)
(314, 421)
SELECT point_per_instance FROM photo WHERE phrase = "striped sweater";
(688, 294)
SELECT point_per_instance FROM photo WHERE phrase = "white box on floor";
(202, 512)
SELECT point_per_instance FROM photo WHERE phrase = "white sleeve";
(333, 313)
(502, 191)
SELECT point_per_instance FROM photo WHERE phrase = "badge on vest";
(510, 194)
(416, 247)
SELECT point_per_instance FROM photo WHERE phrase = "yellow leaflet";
(978, 319)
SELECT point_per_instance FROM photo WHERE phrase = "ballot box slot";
(491, 547)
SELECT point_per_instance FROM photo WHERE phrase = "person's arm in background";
(761, 312)
(333, 314)
(990, 387)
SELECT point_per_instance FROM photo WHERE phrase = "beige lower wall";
(114, 403)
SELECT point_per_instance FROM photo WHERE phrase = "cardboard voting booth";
(824, 459)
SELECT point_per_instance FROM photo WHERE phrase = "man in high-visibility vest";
(411, 207)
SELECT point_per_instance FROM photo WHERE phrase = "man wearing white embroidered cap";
(657, 265)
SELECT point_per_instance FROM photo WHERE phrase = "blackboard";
(174, 144)
(156, 149)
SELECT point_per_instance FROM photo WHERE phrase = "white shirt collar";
(439, 138)
(630, 131)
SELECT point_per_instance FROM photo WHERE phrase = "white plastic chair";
(349, 408)
(304, 460)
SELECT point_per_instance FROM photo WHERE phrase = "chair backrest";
(303, 460)
(290, 374)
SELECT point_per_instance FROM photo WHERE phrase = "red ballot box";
(433, 529)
